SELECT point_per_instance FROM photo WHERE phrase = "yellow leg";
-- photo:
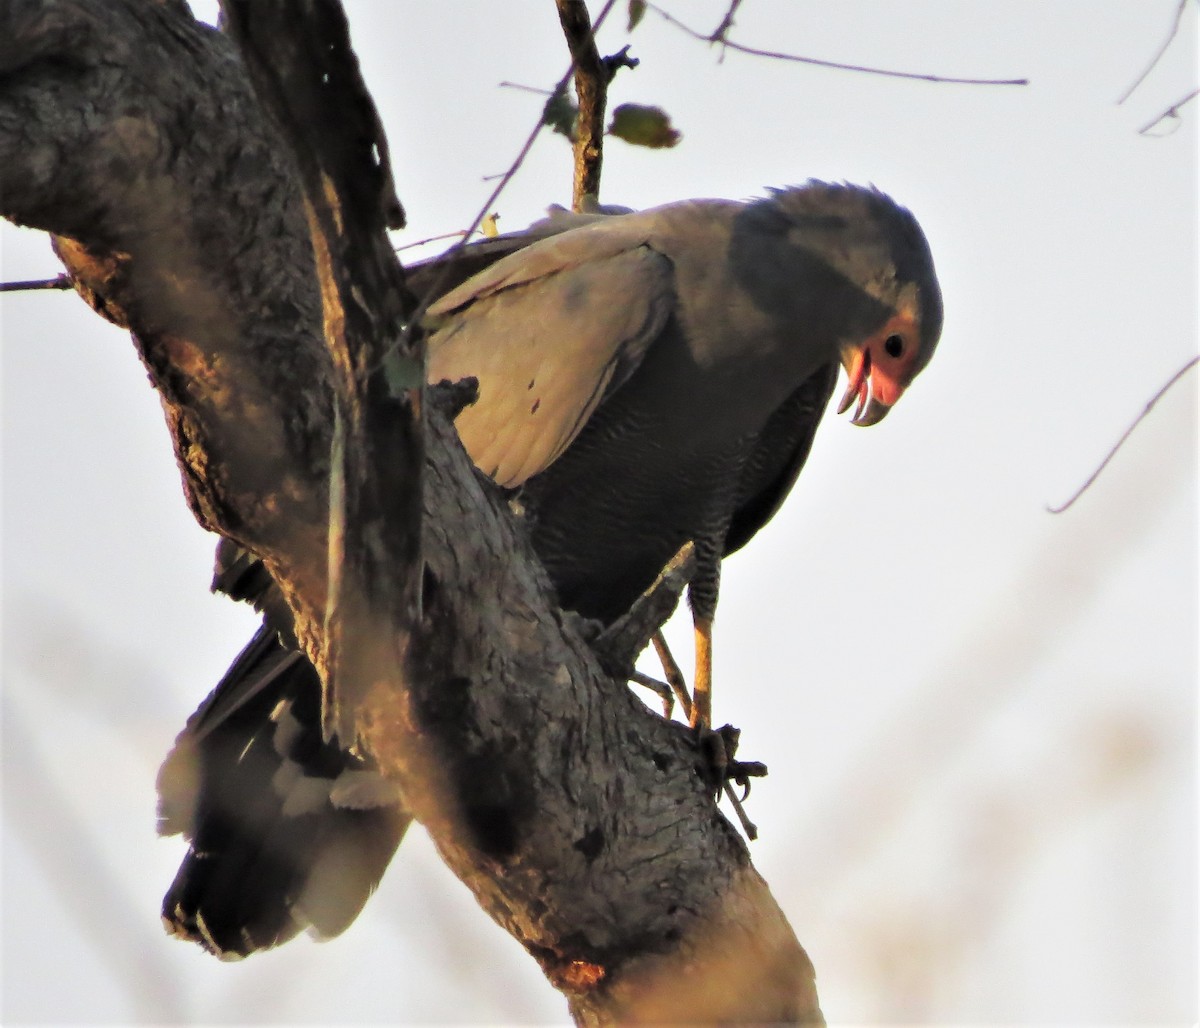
(702, 683)
(672, 674)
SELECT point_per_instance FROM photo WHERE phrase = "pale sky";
(979, 718)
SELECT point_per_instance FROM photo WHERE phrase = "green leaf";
(560, 114)
(402, 373)
(643, 126)
(637, 10)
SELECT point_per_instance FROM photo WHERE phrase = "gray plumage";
(656, 377)
(645, 379)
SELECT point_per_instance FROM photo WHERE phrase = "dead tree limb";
(576, 816)
(591, 87)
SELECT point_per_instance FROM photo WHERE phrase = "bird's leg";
(719, 744)
(748, 826)
(626, 637)
(672, 674)
(701, 713)
(675, 686)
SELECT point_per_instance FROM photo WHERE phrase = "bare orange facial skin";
(880, 369)
(893, 356)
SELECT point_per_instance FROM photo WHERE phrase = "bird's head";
(880, 367)
(894, 267)
(888, 296)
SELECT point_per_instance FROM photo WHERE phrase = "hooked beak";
(870, 409)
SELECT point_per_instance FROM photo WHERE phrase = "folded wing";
(548, 331)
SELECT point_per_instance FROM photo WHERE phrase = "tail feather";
(286, 831)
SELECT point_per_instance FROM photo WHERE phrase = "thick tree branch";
(307, 77)
(575, 815)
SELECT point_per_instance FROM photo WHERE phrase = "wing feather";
(548, 332)
(598, 238)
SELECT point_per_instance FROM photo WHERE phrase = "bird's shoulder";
(547, 333)
(551, 331)
(593, 240)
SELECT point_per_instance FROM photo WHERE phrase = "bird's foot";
(721, 771)
(661, 689)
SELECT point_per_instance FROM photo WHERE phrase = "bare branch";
(1170, 112)
(776, 55)
(490, 203)
(61, 282)
(591, 87)
(434, 289)
(457, 234)
(528, 89)
(1158, 56)
(719, 33)
(1127, 433)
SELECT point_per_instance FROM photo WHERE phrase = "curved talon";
(742, 771)
(720, 771)
(744, 782)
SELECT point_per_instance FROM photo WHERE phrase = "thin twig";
(61, 282)
(1158, 56)
(718, 34)
(458, 234)
(721, 32)
(775, 55)
(1170, 112)
(528, 89)
(1128, 432)
(489, 204)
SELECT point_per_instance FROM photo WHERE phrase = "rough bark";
(575, 815)
(591, 86)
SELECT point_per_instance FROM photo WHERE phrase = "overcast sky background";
(979, 718)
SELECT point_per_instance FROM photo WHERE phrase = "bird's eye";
(894, 345)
